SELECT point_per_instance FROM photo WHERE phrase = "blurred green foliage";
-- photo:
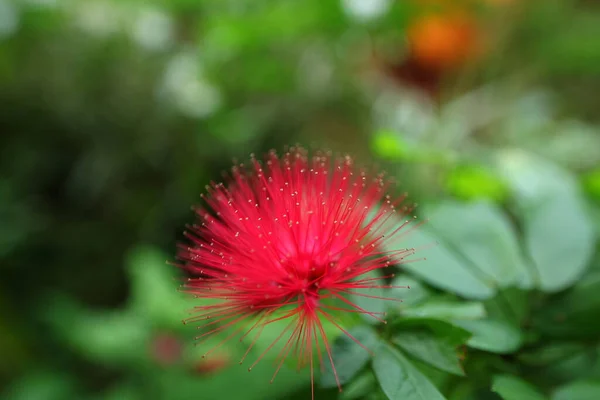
(115, 114)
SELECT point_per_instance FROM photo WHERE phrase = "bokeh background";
(114, 115)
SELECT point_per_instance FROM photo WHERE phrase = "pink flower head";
(283, 239)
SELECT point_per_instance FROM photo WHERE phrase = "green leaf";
(443, 268)
(454, 335)
(534, 179)
(513, 388)
(510, 305)
(359, 387)
(348, 356)
(483, 237)
(551, 353)
(42, 384)
(154, 288)
(373, 303)
(560, 239)
(558, 233)
(399, 379)
(436, 376)
(271, 340)
(111, 337)
(463, 390)
(389, 145)
(434, 351)
(475, 182)
(574, 313)
(416, 292)
(592, 183)
(120, 391)
(493, 336)
(580, 390)
(558, 363)
(447, 309)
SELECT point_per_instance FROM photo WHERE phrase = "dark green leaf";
(513, 388)
(436, 376)
(348, 357)
(426, 347)
(399, 379)
(550, 353)
(574, 314)
(510, 305)
(563, 363)
(463, 390)
(49, 385)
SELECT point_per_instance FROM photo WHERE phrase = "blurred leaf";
(595, 216)
(551, 353)
(550, 202)
(389, 145)
(533, 179)
(513, 388)
(474, 182)
(510, 305)
(373, 304)
(393, 146)
(561, 258)
(580, 390)
(271, 343)
(434, 351)
(484, 239)
(17, 220)
(16, 345)
(592, 183)
(112, 337)
(47, 385)
(573, 314)
(442, 268)
(566, 53)
(464, 390)
(123, 391)
(580, 365)
(359, 387)
(492, 336)
(575, 145)
(440, 379)
(447, 309)
(452, 334)
(559, 363)
(399, 379)
(154, 288)
(348, 356)
(416, 292)
(232, 382)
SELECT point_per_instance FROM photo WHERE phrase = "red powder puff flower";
(283, 239)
